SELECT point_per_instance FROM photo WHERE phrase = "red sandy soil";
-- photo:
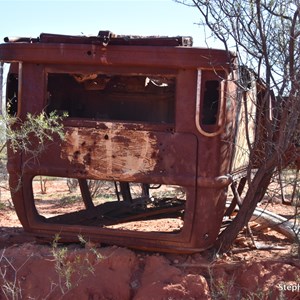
(31, 270)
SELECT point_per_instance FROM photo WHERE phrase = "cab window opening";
(135, 98)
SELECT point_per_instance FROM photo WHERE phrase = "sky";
(135, 17)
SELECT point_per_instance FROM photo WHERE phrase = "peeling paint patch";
(111, 153)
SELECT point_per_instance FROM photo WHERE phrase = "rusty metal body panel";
(136, 114)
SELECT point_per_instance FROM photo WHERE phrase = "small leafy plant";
(71, 269)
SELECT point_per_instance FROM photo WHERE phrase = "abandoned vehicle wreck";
(152, 114)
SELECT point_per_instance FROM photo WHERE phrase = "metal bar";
(162, 57)
(125, 191)
(117, 190)
(86, 195)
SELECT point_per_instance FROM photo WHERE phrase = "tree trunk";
(255, 193)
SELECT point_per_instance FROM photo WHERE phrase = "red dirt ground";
(29, 270)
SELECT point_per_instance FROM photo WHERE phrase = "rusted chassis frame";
(181, 153)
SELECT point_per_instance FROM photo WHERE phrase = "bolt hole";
(89, 53)
(106, 137)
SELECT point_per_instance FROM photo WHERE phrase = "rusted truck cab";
(140, 111)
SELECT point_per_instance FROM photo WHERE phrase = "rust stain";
(112, 152)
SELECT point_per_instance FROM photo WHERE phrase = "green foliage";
(68, 200)
(71, 269)
(31, 135)
(63, 267)
(2, 206)
(40, 127)
(221, 288)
